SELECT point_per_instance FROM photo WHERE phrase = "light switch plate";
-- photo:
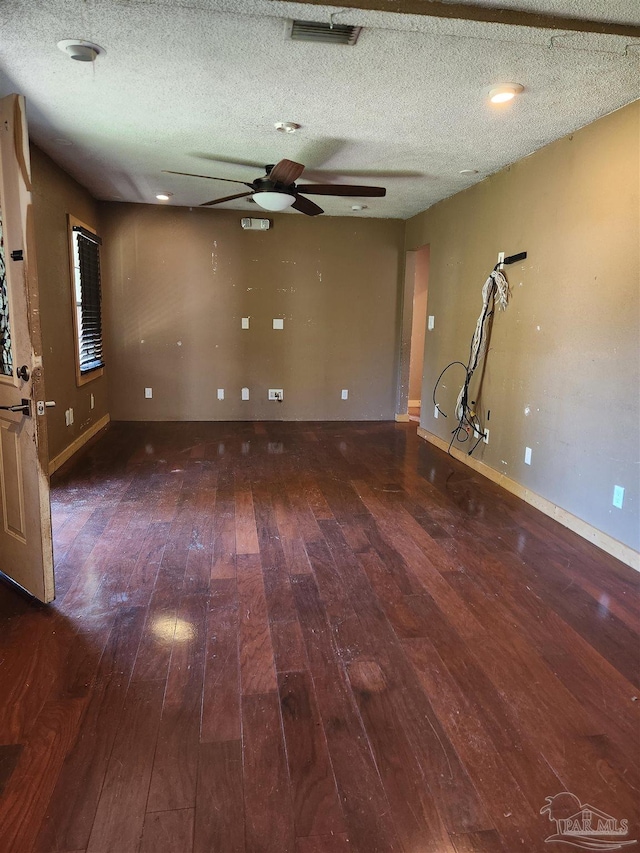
(148, 393)
(345, 394)
(245, 322)
(431, 322)
(618, 496)
(278, 323)
(245, 393)
(220, 393)
(527, 456)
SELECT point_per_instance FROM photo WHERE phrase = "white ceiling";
(184, 81)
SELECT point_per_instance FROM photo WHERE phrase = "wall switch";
(66, 417)
(245, 322)
(345, 394)
(431, 322)
(245, 394)
(527, 456)
(278, 323)
(71, 419)
(276, 394)
(486, 436)
(220, 393)
(618, 496)
(92, 401)
(436, 413)
(148, 393)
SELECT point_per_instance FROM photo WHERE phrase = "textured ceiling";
(191, 85)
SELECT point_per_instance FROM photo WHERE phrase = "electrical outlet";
(278, 323)
(486, 436)
(276, 394)
(618, 496)
(431, 322)
(70, 417)
(148, 393)
(436, 413)
(345, 394)
(245, 393)
(527, 456)
(245, 322)
(92, 401)
(66, 417)
(220, 393)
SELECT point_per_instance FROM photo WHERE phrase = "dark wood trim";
(488, 15)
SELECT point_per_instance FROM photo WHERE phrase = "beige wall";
(562, 372)
(55, 195)
(181, 279)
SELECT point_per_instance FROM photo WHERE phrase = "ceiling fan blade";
(305, 205)
(341, 189)
(221, 200)
(209, 177)
(286, 172)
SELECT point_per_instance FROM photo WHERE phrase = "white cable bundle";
(496, 288)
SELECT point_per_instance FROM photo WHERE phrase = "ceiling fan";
(277, 190)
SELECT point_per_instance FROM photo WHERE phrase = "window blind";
(90, 333)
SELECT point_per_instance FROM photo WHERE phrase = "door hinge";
(17, 255)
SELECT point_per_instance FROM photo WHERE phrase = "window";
(87, 313)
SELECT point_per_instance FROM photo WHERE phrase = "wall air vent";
(322, 32)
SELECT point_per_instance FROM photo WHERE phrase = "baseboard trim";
(79, 442)
(415, 404)
(607, 543)
(402, 419)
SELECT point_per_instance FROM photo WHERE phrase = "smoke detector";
(287, 126)
(80, 50)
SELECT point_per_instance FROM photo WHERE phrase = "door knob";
(23, 373)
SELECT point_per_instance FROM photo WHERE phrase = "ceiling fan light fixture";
(163, 196)
(273, 201)
(505, 92)
(81, 50)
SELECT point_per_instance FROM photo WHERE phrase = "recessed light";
(81, 50)
(505, 92)
(163, 196)
(358, 207)
(287, 126)
(468, 171)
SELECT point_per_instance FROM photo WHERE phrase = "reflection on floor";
(309, 638)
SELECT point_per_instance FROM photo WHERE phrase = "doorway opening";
(414, 324)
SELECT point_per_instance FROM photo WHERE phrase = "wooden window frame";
(97, 372)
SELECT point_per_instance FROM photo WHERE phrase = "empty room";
(319, 426)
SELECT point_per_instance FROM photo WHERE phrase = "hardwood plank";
(221, 691)
(171, 830)
(315, 801)
(257, 671)
(246, 533)
(72, 807)
(175, 766)
(268, 811)
(288, 646)
(219, 822)
(120, 815)
(22, 805)
(324, 844)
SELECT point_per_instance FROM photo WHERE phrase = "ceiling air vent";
(322, 32)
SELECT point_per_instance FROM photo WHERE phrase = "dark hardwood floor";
(310, 638)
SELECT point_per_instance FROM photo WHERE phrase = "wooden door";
(26, 553)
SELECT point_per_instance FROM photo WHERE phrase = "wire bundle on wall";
(495, 292)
